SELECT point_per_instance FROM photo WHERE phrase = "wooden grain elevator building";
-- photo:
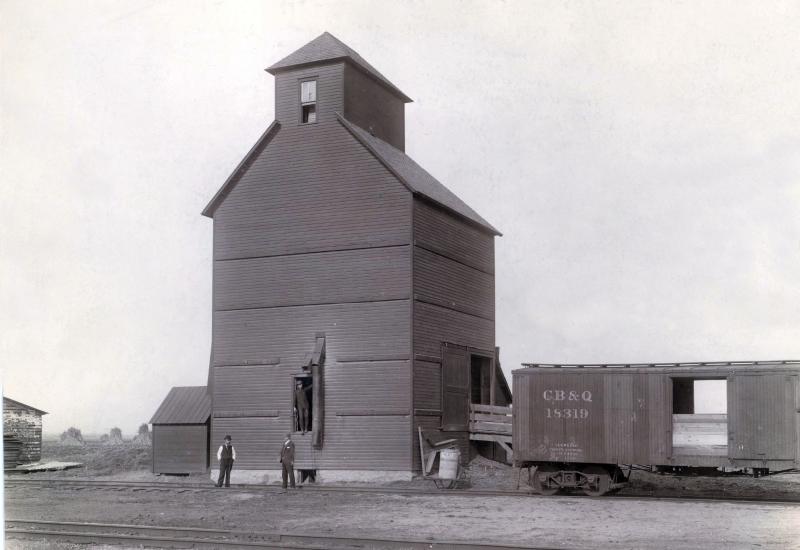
(345, 271)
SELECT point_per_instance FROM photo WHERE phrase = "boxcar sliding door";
(762, 416)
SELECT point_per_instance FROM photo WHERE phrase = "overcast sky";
(641, 159)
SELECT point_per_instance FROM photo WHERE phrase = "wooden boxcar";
(578, 423)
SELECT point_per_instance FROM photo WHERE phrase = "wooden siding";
(378, 387)
(434, 325)
(25, 425)
(453, 303)
(330, 93)
(363, 331)
(370, 105)
(312, 189)
(180, 449)
(373, 274)
(447, 283)
(451, 236)
(428, 386)
(351, 443)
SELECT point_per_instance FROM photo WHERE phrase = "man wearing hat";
(287, 460)
(226, 455)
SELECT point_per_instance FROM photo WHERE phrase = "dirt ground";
(614, 523)
(533, 521)
(130, 462)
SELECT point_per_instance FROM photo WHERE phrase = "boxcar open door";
(762, 416)
(455, 389)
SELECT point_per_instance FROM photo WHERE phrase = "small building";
(350, 286)
(181, 430)
(22, 433)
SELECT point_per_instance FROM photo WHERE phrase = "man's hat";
(227, 438)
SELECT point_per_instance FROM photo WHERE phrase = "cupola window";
(308, 101)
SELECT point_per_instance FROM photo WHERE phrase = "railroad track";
(191, 537)
(169, 487)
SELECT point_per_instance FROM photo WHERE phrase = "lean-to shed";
(22, 433)
(181, 431)
(345, 275)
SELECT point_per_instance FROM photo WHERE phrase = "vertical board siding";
(312, 189)
(763, 417)
(371, 330)
(372, 274)
(370, 105)
(330, 93)
(449, 284)
(450, 236)
(180, 449)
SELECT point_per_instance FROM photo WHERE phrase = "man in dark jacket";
(287, 460)
(226, 455)
(301, 402)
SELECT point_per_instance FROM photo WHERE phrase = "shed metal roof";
(639, 367)
(15, 402)
(184, 405)
(327, 47)
(414, 176)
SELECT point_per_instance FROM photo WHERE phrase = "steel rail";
(473, 493)
(181, 537)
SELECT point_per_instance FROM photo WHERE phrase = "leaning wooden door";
(455, 389)
(762, 416)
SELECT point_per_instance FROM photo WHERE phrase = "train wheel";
(540, 484)
(603, 483)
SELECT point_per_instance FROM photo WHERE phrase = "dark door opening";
(480, 379)
(303, 403)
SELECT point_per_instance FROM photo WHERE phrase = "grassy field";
(99, 459)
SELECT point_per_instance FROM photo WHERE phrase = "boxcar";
(578, 424)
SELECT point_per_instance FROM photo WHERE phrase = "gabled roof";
(251, 155)
(327, 47)
(23, 405)
(184, 405)
(414, 176)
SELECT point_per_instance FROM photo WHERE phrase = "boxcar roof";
(327, 47)
(20, 404)
(184, 405)
(698, 366)
(413, 176)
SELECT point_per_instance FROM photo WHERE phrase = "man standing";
(226, 455)
(301, 402)
(287, 460)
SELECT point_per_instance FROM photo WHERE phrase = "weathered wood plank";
(497, 438)
(490, 409)
(491, 427)
(481, 417)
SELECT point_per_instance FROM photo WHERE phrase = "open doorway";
(480, 379)
(302, 403)
(699, 416)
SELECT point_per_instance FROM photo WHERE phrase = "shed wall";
(180, 449)
(26, 425)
